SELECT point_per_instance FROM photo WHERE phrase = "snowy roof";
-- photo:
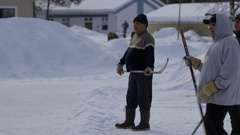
(96, 5)
(190, 12)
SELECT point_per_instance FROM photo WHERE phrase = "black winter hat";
(237, 16)
(141, 18)
(211, 20)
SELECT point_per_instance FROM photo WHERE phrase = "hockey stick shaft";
(198, 125)
(193, 79)
(153, 72)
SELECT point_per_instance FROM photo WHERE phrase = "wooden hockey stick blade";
(153, 72)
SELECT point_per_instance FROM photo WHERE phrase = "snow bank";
(35, 47)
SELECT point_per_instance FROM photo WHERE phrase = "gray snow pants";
(139, 91)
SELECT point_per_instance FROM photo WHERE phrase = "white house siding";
(113, 17)
(127, 14)
(112, 22)
(97, 21)
(75, 21)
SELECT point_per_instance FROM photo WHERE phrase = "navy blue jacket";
(140, 53)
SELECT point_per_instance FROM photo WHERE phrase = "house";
(190, 17)
(103, 16)
(16, 8)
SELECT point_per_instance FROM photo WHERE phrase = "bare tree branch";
(41, 4)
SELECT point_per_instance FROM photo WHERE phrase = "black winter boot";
(144, 123)
(129, 120)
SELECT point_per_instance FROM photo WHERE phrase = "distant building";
(16, 8)
(101, 17)
(191, 17)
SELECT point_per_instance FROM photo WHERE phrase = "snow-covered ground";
(56, 80)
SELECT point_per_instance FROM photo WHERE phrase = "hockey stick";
(193, 79)
(153, 72)
(198, 125)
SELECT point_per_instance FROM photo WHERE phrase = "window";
(105, 23)
(66, 21)
(88, 19)
(6, 12)
(104, 27)
(88, 23)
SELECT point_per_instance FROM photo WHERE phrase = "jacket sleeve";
(149, 50)
(122, 60)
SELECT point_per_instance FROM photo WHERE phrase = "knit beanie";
(141, 18)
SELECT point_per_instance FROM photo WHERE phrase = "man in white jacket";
(219, 84)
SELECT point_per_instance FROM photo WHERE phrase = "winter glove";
(148, 71)
(120, 69)
(208, 90)
(192, 60)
